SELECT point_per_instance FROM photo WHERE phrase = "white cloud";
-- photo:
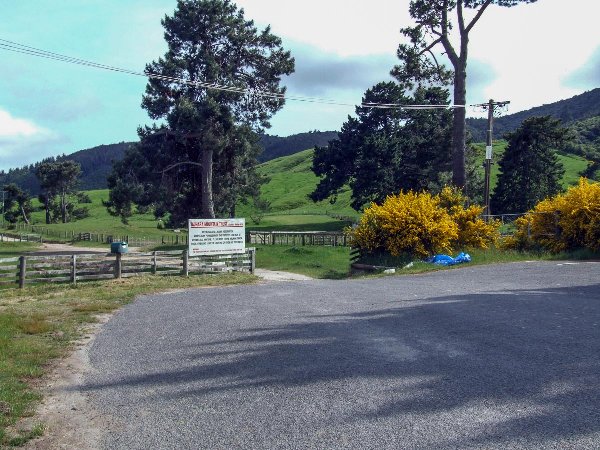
(12, 127)
(24, 142)
(336, 26)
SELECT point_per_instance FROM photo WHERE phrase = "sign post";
(216, 236)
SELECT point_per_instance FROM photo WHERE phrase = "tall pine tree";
(201, 159)
(529, 169)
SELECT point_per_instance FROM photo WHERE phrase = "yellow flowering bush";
(565, 222)
(421, 224)
(473, 231)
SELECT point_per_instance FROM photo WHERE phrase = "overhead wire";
(37, 52)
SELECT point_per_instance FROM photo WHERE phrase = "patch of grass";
(41, 322)
(313, 261)
(12, 249)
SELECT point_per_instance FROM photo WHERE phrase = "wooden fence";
(24, 270)
(330, 238)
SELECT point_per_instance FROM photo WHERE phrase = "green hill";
(96, 162)
(290, 181)
(569, 111)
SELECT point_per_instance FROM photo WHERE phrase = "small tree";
(17, 204)
(529, 169)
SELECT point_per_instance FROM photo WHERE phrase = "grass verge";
(313, 261)
(40, 323)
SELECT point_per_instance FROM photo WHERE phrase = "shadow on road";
(528, 359)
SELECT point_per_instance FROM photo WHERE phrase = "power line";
(40, 53)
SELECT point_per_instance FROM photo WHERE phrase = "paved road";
(480, 357)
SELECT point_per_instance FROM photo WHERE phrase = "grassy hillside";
(573, 164)
(290, 181)
(101, 222)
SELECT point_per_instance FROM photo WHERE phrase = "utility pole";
(491, 109)
(3, 193)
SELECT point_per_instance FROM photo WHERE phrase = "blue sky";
(530, 55)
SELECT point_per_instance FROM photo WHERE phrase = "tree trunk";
(208, 211)
(47, 207)
(63, 207)
(458, 125)
(24, 215)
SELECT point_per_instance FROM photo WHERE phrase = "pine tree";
(201, 159)
(529, 169)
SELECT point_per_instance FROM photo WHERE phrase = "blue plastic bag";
(445, 260)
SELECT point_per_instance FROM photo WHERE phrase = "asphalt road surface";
(503, 356)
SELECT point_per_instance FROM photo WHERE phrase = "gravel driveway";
(501, 356)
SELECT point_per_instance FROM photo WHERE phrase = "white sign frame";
(216, 236)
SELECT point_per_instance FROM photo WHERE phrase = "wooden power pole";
(491, 109)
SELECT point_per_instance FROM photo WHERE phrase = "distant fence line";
(25, 269)
(323, 238)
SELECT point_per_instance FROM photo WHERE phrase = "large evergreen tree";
(201, 158)
(382, 151)
(436, 23)
(529, 169)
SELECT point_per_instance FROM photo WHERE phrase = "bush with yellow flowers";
(567, 221)
(422, 224)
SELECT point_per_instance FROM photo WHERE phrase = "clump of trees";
(200, 160)
(17, 204)
(60, 196)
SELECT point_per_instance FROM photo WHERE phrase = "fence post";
(185, 271)
(252, 260)
(154, 263)
(118, 266)
(22, 271)
(74, 269)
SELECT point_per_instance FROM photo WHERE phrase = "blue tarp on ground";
(445, 260)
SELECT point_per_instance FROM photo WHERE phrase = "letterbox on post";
(119, 247)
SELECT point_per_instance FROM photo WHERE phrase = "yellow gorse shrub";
(565, 222)
(421, 224)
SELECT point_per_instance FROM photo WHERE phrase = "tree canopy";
(436, 22)
(59, 182)
(208, 91)
(529, 169)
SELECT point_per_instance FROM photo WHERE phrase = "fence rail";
(25, 270)
(324, 238)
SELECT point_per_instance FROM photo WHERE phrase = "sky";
(529, 54)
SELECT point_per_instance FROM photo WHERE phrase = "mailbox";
(119, 247)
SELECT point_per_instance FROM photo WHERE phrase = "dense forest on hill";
(96, 164)
(573, 109)
(276, 146)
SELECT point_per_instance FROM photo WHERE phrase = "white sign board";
(216, 236)
(488, 152)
